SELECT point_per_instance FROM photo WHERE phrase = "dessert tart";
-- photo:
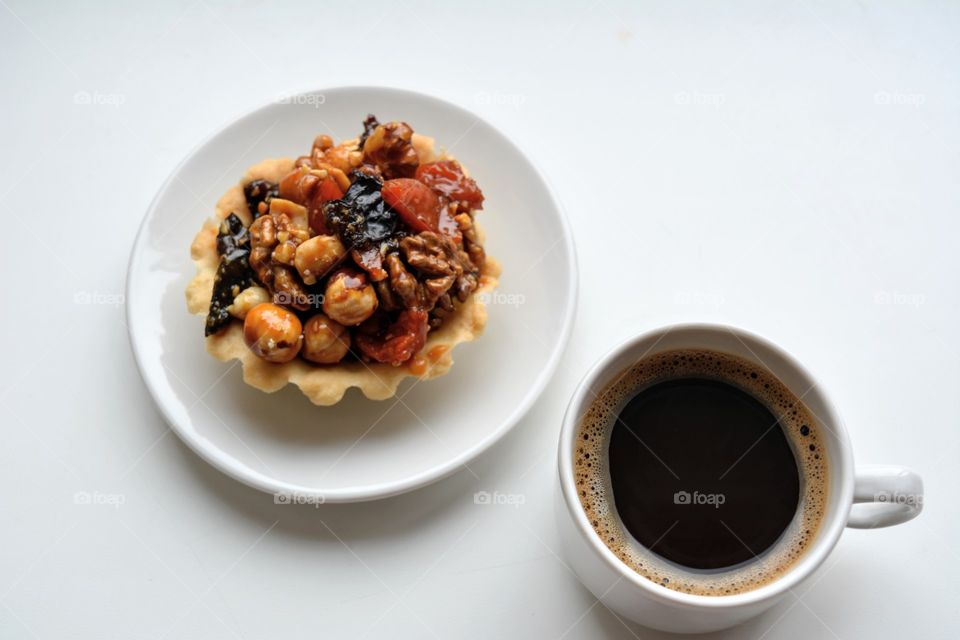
(357, 265)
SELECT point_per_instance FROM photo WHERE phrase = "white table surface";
(789, 168)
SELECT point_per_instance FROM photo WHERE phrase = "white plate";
(359, 449)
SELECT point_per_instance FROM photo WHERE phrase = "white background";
(788, 167)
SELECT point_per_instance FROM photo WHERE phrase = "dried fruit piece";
(399, 341)
(259, 192)
(369, 125)
(329, 190)
(298, 185)
(233, 273)
(417, 204)
(370, 260)
(360, 217)
(447, 178)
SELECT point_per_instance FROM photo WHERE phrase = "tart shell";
(326, 384)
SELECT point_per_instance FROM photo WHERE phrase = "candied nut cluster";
(274, 238)
(357, 253)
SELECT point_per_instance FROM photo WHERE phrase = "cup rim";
(830, 530)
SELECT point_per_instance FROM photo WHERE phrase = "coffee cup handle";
(885, 495)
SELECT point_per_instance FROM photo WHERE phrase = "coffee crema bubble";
(718, 377)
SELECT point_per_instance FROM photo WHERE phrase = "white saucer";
(359, 449)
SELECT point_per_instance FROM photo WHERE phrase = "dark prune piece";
(233, 273)
(232, 237)
(369, 124)
(258, 191)
(360, 218)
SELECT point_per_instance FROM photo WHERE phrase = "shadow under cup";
(606, 572)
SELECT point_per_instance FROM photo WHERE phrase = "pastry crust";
(325, 385)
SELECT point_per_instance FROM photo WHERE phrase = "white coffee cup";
(865, 498)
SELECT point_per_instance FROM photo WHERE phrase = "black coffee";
(702, 472)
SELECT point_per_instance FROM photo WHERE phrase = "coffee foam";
(800, 427)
